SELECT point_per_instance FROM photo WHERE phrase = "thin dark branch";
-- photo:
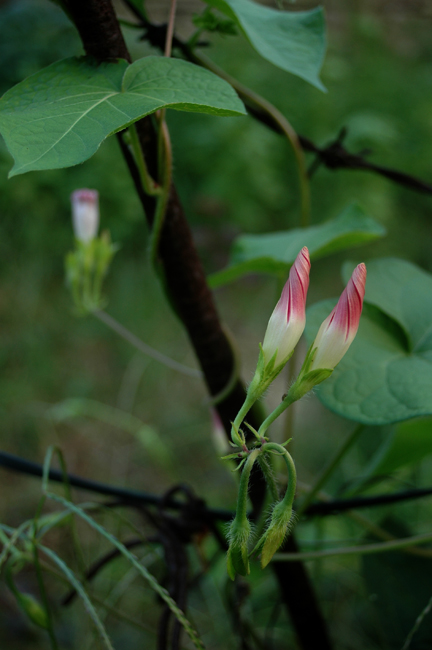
(207, 515)
(17, 464)
(342, 505)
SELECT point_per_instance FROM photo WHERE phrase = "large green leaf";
(275, 252)
(386, 375)
(292, 40)
(59, 116)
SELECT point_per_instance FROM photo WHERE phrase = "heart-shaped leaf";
(292, 40)
(59, 116)
(275, 252)
(386, 375)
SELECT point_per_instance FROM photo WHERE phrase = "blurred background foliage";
(234, 176)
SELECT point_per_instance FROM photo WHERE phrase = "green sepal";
(315, 377)
(237, 562)
(275, 534)
(273, 541)
(237, 558)
(240, 465)
(254, 431)
(86, 267)
(261, 361)
(230, 456)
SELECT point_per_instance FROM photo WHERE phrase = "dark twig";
(342, 505)
(132, 497)
(203, 515)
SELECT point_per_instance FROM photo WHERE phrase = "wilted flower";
(337, 332)
(85, 214)
(288, 319)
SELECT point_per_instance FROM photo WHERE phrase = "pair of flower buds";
(288, 319)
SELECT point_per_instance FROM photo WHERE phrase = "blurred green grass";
(233, 176)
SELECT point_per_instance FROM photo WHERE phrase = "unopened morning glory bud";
(85, 214)
(337, 332)
(288, 319)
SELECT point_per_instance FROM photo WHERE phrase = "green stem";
(44, 597)
(289, 399)
(288, 499)
(149, 185)
(292, 474)
(366, 549)
(247, 405)
(241, 509)
(170, 28)
(128, 336)
(328, 470)
(165, 164)
(39, 576)
(164, 152)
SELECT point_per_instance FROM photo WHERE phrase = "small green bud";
(86, 267)
(32, 609)
(281, 521)
(237, 558)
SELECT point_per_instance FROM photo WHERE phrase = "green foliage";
(76, 584)
(411, 443)
(232, 175)
(385, 376)
(399, 587)
(44, 30)
(161, 591)
(59, 116)
(210, 22)
(275, 252)
(293, 41)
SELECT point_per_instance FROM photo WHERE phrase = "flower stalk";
(240, 529)
(282, 513)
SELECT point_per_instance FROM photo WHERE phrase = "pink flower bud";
(85, 214)
(288, 319)
(337, 332)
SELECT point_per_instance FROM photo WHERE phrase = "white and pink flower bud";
(288, 319)
(85, 214)
(338, 331)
